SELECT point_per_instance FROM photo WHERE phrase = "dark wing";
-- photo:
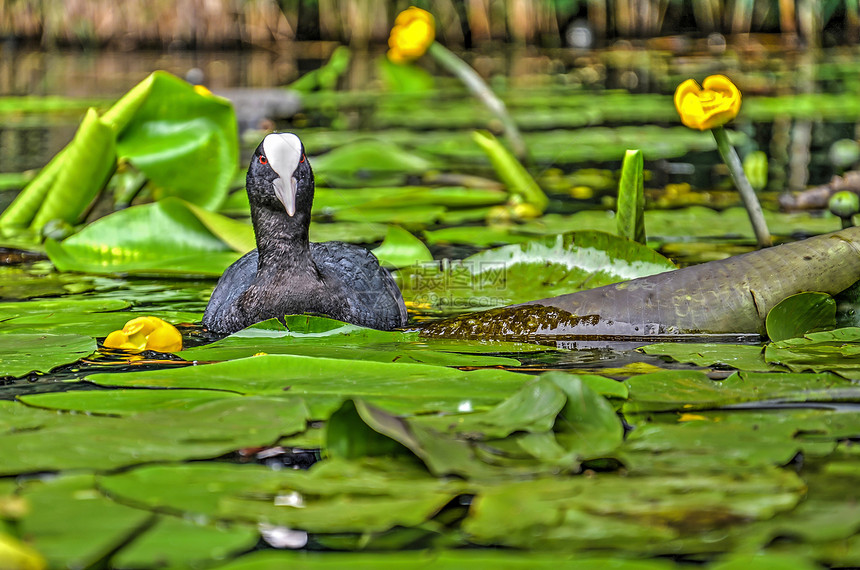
(220, 314)
(375, 300)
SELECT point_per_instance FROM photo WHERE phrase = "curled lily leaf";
(716, 103)
(146, 333)
(413, 32)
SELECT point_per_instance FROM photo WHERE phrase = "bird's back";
(374, 299)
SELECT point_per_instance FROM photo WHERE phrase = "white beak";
(284, 151)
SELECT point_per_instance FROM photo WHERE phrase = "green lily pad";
(185, 543)
(740, 356)
(473, 445)
(689, 390)
(837, 350)
(729, 441)
(124, 402)
(308, 335)
(634, 514)
(35, 281)
(21, 354)
(89, 316)
(64, 189)
(333, 496)
(542, 267)
(368, 162)
(100, 524)
(52, 441)
(332, 200)
(164, 112)
(799, 314)
(325, 382)
(400, 249)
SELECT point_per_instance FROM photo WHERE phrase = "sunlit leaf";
(67, 186)
(539, 268)
(509, 169)
(160, 238)
(186, 143)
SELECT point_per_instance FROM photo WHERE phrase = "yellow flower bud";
(413, 32)
(146, 333)
(715, 104)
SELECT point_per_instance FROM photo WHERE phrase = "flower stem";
(730, 157)
(479, 88)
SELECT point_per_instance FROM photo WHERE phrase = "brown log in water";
(727, 296)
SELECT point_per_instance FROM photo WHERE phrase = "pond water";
(710, 452)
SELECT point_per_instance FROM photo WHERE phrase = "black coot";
(287, 274)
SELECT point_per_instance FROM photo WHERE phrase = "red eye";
(263, 160)
(303, 158)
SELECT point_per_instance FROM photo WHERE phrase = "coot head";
(280, 176)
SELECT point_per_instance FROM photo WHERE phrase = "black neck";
(282, 240)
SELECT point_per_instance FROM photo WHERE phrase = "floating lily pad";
(332, 200)
(21, 354)
(350, 232)
(42, 440)
(728, 441)
(333, 496)
(837, 350)
(90, 316)
(100, 524)
(325, 382)
(124, 402)
(542, 267)
(185, 543)
(687, 390)
(631, 514)
(324, 337)
(740, 356)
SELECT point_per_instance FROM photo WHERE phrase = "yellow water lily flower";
(146, 333)
(716, 103)
(413, 32)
